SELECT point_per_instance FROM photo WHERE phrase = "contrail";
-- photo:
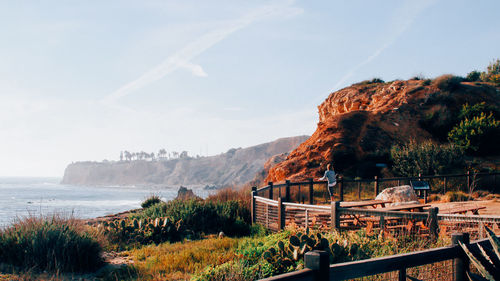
(181, 59)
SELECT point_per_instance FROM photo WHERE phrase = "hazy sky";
(83, 80)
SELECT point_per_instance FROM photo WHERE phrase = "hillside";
(235, 167)
(359, 124)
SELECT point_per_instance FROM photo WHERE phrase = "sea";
(25, 197)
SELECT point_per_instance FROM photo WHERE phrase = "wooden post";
(376, 186)
(382, 224)
(335, 216)
(254, 190)
(433, 222)
(399, 182)
(468, 181)
(281, 216)
(311, 192)
(287, 191)
(298, 195)
(267, 216)
(425, 196)
(461, 264)
(307, 219)
(402, 274)
(270, 190)
(319, 262)
(341, 188)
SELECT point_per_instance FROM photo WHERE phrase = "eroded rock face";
(360, 123)
(399, 195)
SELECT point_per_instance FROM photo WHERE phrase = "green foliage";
(132, 232)
(425, 158)
(477, 135)
(198, 216)
(473, 76)
(492, 73)
(486, 261)
(447, 82)
(368, 82)
(49, 244)
(470, 111)
(151, 200)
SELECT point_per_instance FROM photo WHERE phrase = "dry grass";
(179, 261)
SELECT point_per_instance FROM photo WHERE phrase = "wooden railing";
(277, 214)
(318, 268)
(358, 189)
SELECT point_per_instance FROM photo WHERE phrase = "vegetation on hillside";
(427, 158)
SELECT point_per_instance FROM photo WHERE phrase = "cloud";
(403, 19)
(195, 69)
(182, 58)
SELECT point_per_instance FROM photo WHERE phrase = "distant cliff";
(235, 167)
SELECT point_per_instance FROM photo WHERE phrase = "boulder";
(399, 195)
(185, 193)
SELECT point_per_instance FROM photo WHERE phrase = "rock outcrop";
(235, 167)
(185, 193)
(359, 124)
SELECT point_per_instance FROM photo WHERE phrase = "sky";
(84, 80)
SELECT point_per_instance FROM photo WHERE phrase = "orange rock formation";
(358, 123)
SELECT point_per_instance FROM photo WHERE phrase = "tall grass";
(49, 244)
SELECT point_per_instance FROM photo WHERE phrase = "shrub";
(478, 135)
(198, 216)
(418, 77)
(492, 72)
(368, 82)
(425, 158)
(447, 82)
(49, 244)
(473, 76)
(151, 200)
(455, 196)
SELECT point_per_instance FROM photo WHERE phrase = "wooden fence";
(312, 192)
(276, 214)
(446, 263)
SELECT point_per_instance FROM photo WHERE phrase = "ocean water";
(22, 197)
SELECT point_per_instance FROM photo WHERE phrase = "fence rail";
(312, 191)
(403, 264)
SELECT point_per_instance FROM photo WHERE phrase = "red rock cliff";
(360, 122)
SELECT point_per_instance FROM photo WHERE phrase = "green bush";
(151, 200)
(49, 244)
(447, 82)
(425, 158)
(198, 216)
(473, 76)
(477, 135)
(492, 72)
